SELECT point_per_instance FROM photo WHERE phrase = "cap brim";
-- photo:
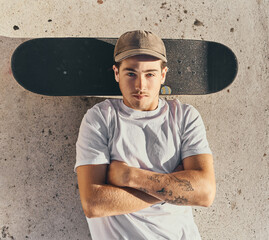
(135, 52)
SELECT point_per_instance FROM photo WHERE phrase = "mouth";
(139, 96)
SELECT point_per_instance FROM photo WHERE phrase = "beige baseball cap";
(139, 42)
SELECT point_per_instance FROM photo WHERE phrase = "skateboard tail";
(223, 67)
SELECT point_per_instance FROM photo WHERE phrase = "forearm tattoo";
(178, 200)
(155, 178)
(164, 192)
(184, 184)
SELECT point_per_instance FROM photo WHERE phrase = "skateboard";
(83, 67)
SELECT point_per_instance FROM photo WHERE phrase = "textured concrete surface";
(38, 189)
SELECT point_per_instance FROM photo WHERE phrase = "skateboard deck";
(83, 67)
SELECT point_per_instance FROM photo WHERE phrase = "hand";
(118, 173)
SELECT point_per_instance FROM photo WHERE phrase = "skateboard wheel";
(165, 90)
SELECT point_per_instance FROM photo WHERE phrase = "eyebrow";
(133, 70)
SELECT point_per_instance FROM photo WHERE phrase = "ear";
(116, 73)
(164, 71)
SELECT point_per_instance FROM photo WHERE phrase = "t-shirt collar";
(137, 113)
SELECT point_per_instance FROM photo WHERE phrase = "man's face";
(140, 78)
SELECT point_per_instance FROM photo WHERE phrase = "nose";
(140, 83)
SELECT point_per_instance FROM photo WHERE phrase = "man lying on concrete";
(142, 161)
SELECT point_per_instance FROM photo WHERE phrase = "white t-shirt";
(155, 140)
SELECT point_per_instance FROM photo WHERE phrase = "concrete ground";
(39, 196)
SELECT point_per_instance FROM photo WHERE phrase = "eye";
(150, 75)
(130, 74)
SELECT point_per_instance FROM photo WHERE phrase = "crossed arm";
(114, 189)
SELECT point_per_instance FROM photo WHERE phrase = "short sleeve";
(194, 139)
(92, 142)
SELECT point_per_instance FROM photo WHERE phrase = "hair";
(163, 64)
(117, 64)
